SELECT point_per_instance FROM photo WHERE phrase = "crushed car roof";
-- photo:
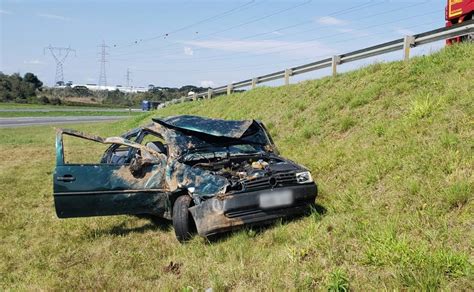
(213, 127)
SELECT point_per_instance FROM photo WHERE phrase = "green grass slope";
(391, 147)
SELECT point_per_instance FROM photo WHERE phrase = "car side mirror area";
(140, 164)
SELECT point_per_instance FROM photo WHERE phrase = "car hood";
(213, 127)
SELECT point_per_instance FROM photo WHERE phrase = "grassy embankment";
(391, 147)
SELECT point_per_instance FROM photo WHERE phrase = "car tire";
(183, 222)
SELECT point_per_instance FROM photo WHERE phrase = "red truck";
(458, 11)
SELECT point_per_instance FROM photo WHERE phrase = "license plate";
(276, 199)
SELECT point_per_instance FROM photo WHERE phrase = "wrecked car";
(206, 175)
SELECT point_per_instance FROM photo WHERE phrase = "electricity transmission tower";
(59, 54)
(103, 61)
(128, 77)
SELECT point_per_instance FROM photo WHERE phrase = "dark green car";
(206, 175)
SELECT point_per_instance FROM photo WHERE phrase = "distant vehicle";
(458, 11)
(149, 105)
(80, 87)
(206, 175)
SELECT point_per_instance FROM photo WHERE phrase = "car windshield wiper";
(242, 154)
(200, 152)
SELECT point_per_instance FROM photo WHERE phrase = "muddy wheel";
(183, 222)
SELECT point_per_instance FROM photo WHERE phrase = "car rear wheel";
(183, 222)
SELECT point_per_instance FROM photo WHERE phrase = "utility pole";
(59, 54)
(128, 77)
(103, 61)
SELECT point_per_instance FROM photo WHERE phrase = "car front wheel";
(183, 222)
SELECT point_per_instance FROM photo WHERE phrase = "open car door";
(134, 187)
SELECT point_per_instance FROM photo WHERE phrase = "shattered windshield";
(212, 152)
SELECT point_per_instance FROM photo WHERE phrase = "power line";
(356, 7)
(103, 61)
(217, 16)
(266, 52)
(339, 12)
(128, 77)
(59, 54)
(260, 18)
(208, 19)
(319, 28)
(241, 24)
(239, 68)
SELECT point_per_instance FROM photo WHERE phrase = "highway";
(63, 109)
(41, 121)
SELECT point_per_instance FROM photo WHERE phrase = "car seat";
(158, 147)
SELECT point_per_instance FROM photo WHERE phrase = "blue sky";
(209, 43)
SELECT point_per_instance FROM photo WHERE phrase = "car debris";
(206, 175)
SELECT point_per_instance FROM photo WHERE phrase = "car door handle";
(66, 178)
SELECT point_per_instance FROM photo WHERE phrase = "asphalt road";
(64, 109)
(39, 121)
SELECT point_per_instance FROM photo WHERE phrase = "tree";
(33, 79)
(116, 97)
(19, 89)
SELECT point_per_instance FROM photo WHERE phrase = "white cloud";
(34, 62)
(354, 32)
(188, 51)
(329, 20)
(4, 12)
(294, 48)
(403, 31)
(53, 16)
(207, 83)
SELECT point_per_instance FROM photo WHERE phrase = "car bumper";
(225, 213)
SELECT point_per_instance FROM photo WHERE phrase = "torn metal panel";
(152, 177)
(200, 183)
(214, 127)
(184, 133)
(209, 218)
(110, 140)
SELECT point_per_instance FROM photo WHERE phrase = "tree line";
(20, 89)
(29, 89)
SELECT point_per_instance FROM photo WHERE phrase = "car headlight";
(304, 177)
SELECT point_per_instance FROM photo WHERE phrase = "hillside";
(391, 147)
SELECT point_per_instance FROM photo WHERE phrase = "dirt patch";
(173, 268)
(125, 174)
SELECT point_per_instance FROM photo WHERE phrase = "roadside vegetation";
(28, 89)
(10, 110)
(66, 113)
(390, 145)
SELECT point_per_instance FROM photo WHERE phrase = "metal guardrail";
(404, 44)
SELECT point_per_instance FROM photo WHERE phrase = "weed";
(338, 281)
(423, 107)
(310, 130)
(459, 194)
(346, 123)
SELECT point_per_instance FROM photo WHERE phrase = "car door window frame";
(119, 141)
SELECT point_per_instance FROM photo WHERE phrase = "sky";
(203, 43)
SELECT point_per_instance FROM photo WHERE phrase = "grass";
(390, 145)
(12, 105)
(65, 113)
(11, 110)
